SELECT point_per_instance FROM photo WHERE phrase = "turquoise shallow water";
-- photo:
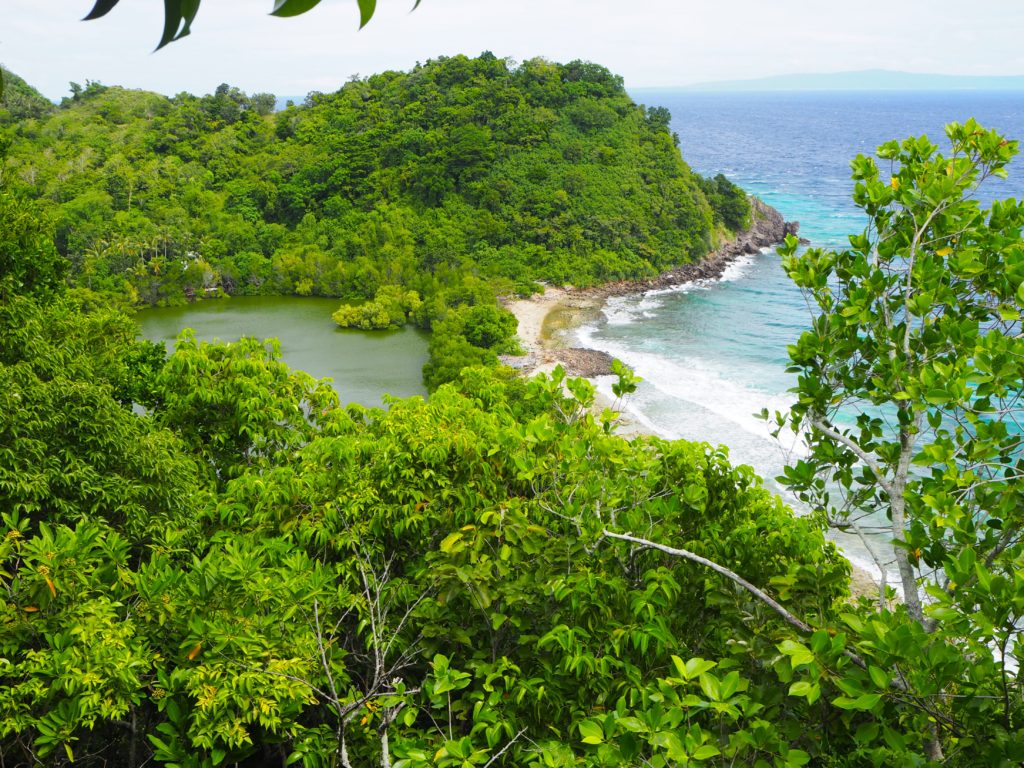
(712, 355)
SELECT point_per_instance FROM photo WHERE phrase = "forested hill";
(536, 172)
(19, 100)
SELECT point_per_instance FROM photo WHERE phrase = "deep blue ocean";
(712, 355)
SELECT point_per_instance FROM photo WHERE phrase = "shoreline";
(544, 317)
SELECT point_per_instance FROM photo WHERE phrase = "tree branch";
(504, 749)
(859, 452)
(764, 597)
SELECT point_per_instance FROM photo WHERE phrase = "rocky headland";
(544, 319)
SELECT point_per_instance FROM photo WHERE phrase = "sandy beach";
(531, 314)
(545, 322)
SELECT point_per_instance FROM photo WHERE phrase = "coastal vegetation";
(206, 560)
(248, 571)
(459, 180)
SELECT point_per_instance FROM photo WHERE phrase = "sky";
(651, 43)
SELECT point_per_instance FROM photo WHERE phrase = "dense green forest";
(457, 180)
(206, 560)
(249, 572)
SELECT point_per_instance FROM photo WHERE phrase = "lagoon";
(364, 365)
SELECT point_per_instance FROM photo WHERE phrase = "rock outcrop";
(768, 228)
(585, 362)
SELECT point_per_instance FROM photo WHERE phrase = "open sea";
(712, 355)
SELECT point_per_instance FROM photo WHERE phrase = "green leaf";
(172, 22)
(865, 701)
(810, 691)
(710, 685)
(102, 8)
(705, 752)
(632, 724)
(942, 612)
(691, 667)
(286, 8)
(591, 732)
(729, 685)
(449, 541)
(799, 655)
(879, 677)
(366, 9)
(866, 733)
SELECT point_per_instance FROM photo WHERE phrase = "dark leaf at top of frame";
(285, 8)
(178, 18)
(102, 8)
(366, 9)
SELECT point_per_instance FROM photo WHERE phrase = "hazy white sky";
(649, 42)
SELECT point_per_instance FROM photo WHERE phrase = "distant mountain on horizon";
(864, 80)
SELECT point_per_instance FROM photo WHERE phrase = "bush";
(390, 308)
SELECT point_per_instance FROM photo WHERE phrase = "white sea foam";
(624, 310)
(689, 400)
(629, 407)
(737, 268)
(703, 397)
(695, 381)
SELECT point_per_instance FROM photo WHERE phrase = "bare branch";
(504, 749)
(771, 602)
(764, 597)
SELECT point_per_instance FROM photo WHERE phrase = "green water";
(364, 365)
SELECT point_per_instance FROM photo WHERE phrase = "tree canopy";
(205, 560)
(909, 396)
(244, 572)
(458, 180)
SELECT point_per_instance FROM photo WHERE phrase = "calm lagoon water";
(364, 365)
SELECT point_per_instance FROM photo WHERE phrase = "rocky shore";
(540, 336)
(767, 229)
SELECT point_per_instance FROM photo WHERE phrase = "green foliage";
(19, 100)
(428, 583)
(237, 406)
(460, 171)
(468, 335)
(71, 448)
(390, 308)
(908, 394)
(29, 264)
(71, 657)
(730, 203)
